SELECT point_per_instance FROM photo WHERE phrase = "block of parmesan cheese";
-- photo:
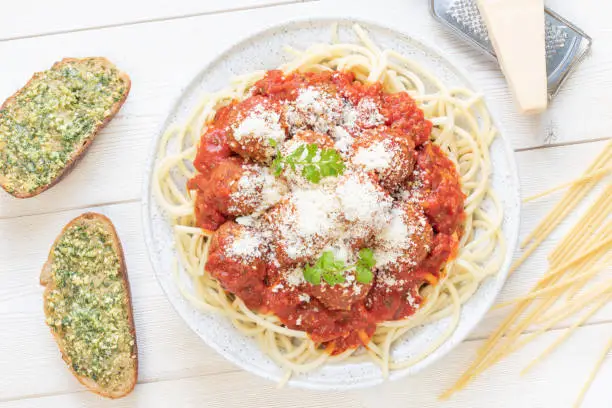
(516, 30)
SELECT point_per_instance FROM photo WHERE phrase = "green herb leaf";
(333, 277)
(331, 270)
(272, 142)
(311, 173)
(312, 275)
(366, 256)
(296, 155)
(326, 260)
(326, 267)
(364, 275)
(315, 163)
(277, 166)
(364, 266)
(312, 152)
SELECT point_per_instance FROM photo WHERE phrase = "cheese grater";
(566, 44)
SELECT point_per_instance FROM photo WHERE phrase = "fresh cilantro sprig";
(331, 270)
(316, 163)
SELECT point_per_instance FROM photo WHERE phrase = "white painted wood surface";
(162, 45)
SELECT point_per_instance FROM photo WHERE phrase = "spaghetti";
(575, 262)
(462, 128)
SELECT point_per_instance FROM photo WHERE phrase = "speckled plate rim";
(187, 311)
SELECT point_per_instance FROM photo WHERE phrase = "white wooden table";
(162, 45)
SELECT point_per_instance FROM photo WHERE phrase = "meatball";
(393, 302)
(255, 191)
(406, 239)
(302, 225)
(402, 113)
(237, 259)
(257, 129)
(213, 191)
(340, 296)
(214, 146)
(437, 188)
(367, 114)
(387, 153)
(222, 181)
(207, 216)
(305, 137)
(365, 205)
(235, 188)
(315, 108)
(322, 140)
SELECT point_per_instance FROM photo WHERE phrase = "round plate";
(265, 51)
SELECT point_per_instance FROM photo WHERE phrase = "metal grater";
(566, 44)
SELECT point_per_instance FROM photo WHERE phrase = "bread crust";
(80, 151)
(46, 281)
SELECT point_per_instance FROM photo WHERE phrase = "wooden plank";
(35, 18)
(168, 349)
(555, 383)
(162, 57)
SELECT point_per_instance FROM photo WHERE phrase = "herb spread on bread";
(89, 305)
(49, 119)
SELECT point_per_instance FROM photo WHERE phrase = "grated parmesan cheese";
(260, 126)
(343, 139)
(316, 211)
(368, 115)
(247, 220)
(314, 108)
(396, 238)
(257, 190)
(295, 277)
(311, 216)
(378, 156)
(411, 300)
(246, 245)
(363, 202)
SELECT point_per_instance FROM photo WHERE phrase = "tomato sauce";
(441, 198)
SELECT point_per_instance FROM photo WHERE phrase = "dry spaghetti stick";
(483, 359)
(588, 383)
(598, 236)
(567, 333)
(487, 360)
(573, 291)
(586, 244)
(596, 174)
(569, 200)
(534, 314)
(555, 290)
(585, 253)
(556, 272)
(574, 307)
(488, 346)
(574, 195)
(526, 322)
(535, 244)
(594, 216)
(571, 308)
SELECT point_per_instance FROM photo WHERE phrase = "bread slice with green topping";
(88, 306)
(47, 125)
